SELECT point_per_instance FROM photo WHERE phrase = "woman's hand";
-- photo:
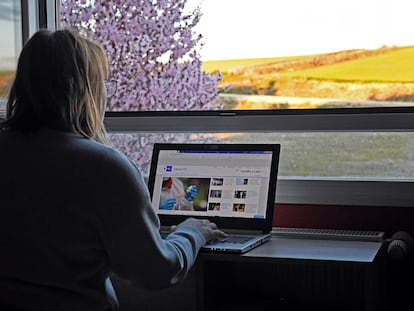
(207, 228)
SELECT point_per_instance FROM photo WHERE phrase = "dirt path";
(325, 94)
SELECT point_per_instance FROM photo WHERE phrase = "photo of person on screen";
(174, 196)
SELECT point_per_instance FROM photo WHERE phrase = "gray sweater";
(72, 212)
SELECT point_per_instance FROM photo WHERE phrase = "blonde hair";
(59, 84)
(94, 100)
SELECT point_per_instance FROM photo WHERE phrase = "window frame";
(282, 120)
(38, 14)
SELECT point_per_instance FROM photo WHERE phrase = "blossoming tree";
(153, 55)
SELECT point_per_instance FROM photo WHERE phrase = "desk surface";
(314, 249)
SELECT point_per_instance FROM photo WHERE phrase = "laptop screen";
(218, 181)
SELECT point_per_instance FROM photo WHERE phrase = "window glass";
(11, 44)
(195, 55)
(380, 155)
(310, 54)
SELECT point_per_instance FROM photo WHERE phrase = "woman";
(73, 209)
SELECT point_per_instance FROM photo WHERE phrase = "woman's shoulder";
(85, 151)
(104, 152)
(107, 162)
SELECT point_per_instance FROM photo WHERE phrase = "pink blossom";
(153, 53)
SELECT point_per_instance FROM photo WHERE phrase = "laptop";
(233, 185)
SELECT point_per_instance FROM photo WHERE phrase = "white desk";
(312, 249)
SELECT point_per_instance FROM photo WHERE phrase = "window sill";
(345, 191)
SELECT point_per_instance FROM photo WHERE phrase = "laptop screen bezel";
(264, 224)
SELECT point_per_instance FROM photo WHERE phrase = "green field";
(393, 66)
(384, 74)
(340, 154)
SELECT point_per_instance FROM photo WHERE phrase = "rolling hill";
(386, 73)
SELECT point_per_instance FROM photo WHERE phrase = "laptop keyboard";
(230, 239)
(236, 239)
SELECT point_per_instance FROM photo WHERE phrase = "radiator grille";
(317, 285)
(333, 234)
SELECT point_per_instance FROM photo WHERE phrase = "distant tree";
(153, 55)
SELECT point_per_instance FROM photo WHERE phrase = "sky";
(235, 29)
(271, 28)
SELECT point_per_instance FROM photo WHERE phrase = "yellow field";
(5, 83)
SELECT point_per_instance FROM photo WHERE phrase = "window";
(10, 40)
(310, 54)
(18, 21)
(336, 155)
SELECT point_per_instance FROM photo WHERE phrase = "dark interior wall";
(387, 219)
